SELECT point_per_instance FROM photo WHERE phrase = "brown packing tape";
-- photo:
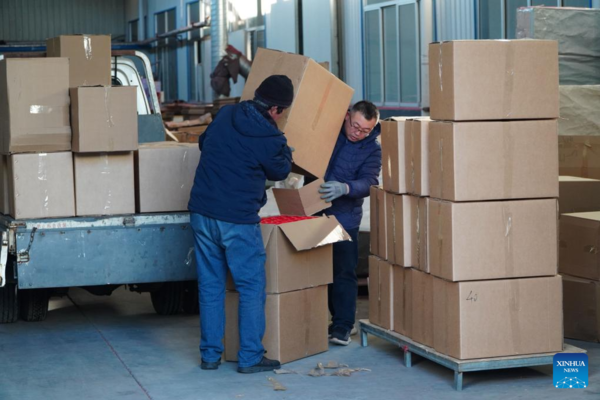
(323, 103)
(106, 170)
(107, 108)
(509, 81)
(440, 66)
(440, 234)
(508, 145)
(441, 150)
(507, 218)
(419, 235)
(412, 156)
(87, 46)
(514, 303)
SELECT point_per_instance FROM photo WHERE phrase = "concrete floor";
(117, 348)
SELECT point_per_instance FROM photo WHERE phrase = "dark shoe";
(210, 365)
(341, 337)
(329, 331)
(263, 365)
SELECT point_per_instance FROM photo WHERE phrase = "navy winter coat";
(357, 164)
(240, 149)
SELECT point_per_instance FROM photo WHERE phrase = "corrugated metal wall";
(455, 19)
(37, 20)
(352, 46)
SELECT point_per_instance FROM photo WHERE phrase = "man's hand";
(332, 190)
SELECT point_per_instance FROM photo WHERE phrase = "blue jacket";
(241, 149)
(357, 164)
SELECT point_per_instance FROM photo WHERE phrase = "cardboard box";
(299, 254)
(395, 132)
(374, 219)
(381, 293)
(164, 175)
(493, 80)
(492, 240)
(497, 318)
(422, 308)
(579, 107)
(579, 244)
(402, 304)
(34, 105)
(104, 184)
(296, 324)
(4, 192)
(304, 201)
(578, 194)
(417, 157)
(577, 34)
(401, 229)
(89, 56)
(104, 119)
(312, 124)
(493, 160)
(41, 185)
(579, 156)
(581, 308)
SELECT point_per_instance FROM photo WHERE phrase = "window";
(577, 3)
(133, 30)
(392, 70)
(498, 18)
(490, 26)
(167, 53)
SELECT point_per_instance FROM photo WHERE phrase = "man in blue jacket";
(241, 149)
(354, 167)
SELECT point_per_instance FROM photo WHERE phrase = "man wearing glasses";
(354, 167)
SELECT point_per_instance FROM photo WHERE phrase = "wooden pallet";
(459, 367)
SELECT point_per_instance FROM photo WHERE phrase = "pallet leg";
(363, 338)
(407, 359)
(458, 380)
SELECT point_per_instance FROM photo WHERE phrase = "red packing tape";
(283, 219)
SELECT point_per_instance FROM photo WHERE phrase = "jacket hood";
(248, 121)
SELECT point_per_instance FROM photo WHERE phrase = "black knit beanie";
(276, 90)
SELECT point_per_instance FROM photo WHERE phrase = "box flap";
(305, 201)
(310, 233)
(266, 230)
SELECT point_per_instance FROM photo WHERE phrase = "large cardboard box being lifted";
(471, 161)
(497, 318)
(104, 119)
(578, 194)
(299, 254)
(581, 305)
(164, 175)
(492, 239)
(493, 80)
(41, 185)
(296, 324)
(89, 57)
(579, 244)
(313, 122)
(104, 184)
(34, 105)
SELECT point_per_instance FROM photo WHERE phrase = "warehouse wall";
(37, 20)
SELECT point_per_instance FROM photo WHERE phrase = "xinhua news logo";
(570, 371)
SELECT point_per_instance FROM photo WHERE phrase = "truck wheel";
(33, 305)
(190, 298)
(9, 306)
(168, 299)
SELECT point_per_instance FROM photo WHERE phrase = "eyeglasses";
(358, 128)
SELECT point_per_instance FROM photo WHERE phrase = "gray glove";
(332, 190)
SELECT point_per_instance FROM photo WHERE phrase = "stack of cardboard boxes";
(299, 263)
(68, 139)
(488, 284)
(579, 263)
